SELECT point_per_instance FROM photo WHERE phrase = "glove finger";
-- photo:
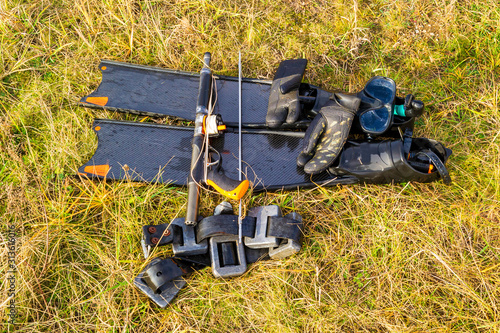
(293, 111)
(277, 110)
(319, 161)
(275, 119)
(312, 135)
(331, 143)
(290, 83)
(326, 153)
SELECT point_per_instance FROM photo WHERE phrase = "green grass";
(376, 258)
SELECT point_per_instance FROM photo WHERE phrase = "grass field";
(376, 258)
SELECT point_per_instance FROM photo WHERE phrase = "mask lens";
(382, 89)
(375, 121)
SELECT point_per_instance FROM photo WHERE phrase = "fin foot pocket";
(386, 162)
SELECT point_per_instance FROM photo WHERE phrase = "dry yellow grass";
(391, 258)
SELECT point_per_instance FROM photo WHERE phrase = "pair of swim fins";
(152, 152)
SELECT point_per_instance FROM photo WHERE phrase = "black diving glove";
(327, 133)
(284, 104)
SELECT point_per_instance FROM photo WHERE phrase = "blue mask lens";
(375, 121)
(382, 89)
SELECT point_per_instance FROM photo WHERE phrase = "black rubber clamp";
(162, 279)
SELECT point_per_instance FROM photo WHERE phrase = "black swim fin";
(160, 153)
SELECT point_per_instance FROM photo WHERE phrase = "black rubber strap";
(407, 138)
(156, 235)
(420, 166)
(438, 164)
(162, 279)
(198, 261)
(218, 225)
(254, 255)
(228, 254)
(284, 227)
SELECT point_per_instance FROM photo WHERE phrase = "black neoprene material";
(327, 134)
(284, 104)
